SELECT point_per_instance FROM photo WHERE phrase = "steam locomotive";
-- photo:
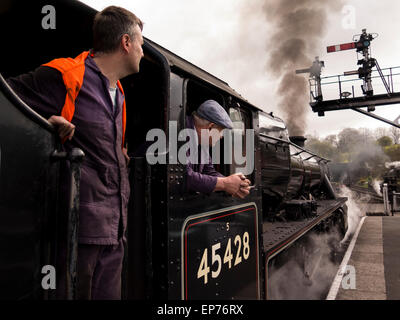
(389, 189)
(391, 177)
(181, 245)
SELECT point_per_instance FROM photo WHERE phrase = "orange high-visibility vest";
(72, 71)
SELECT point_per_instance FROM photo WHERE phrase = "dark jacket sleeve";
(210, 170)
(42, 89)
(204, 181)
(199, 182)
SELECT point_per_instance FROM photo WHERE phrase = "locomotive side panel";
(213, 268)
(28, 186)
(297, 174)
(204, 230)
(316, 174)
(275, 167)
(275, 156)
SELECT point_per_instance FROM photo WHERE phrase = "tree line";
(366, 151)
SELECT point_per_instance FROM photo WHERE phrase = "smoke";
(354, 212)
(368, 156)
(298, 27)
(365, 162)
(309, 270)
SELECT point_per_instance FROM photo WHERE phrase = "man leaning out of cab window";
(209, 120)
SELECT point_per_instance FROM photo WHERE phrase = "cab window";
(241, 122)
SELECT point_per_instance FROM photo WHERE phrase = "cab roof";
(178, 63)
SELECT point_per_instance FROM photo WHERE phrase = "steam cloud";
(376, 184)
(298, 28)
(354, 213)
(289, 282)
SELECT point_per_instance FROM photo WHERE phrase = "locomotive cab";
(170, 231)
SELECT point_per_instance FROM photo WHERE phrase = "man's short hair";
(110, 25)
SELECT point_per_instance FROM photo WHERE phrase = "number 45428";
(204, 268)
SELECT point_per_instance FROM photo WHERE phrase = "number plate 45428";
(220, 255)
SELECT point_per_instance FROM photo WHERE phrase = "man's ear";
(125, 41)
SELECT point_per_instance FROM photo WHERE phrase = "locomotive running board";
(279, 236)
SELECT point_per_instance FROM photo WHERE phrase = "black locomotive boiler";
(180, 245)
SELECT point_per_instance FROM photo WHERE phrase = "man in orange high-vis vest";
(83, 98)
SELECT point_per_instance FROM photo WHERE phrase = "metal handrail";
(295, 145)
(389, 75)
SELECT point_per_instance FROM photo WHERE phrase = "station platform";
(373, 256)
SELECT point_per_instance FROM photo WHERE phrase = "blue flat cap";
(212, 111)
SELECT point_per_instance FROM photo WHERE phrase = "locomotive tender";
(180, 245)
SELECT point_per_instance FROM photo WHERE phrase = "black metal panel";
(182, 204)
(28, 186)
(307, 179)
(316, 174)
(220, 254)
(136, 255)
(275, 167)
(73, 33)
(296, 176)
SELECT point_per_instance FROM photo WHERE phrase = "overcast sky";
(231, 39)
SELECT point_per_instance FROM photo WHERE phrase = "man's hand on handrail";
(64, 128)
